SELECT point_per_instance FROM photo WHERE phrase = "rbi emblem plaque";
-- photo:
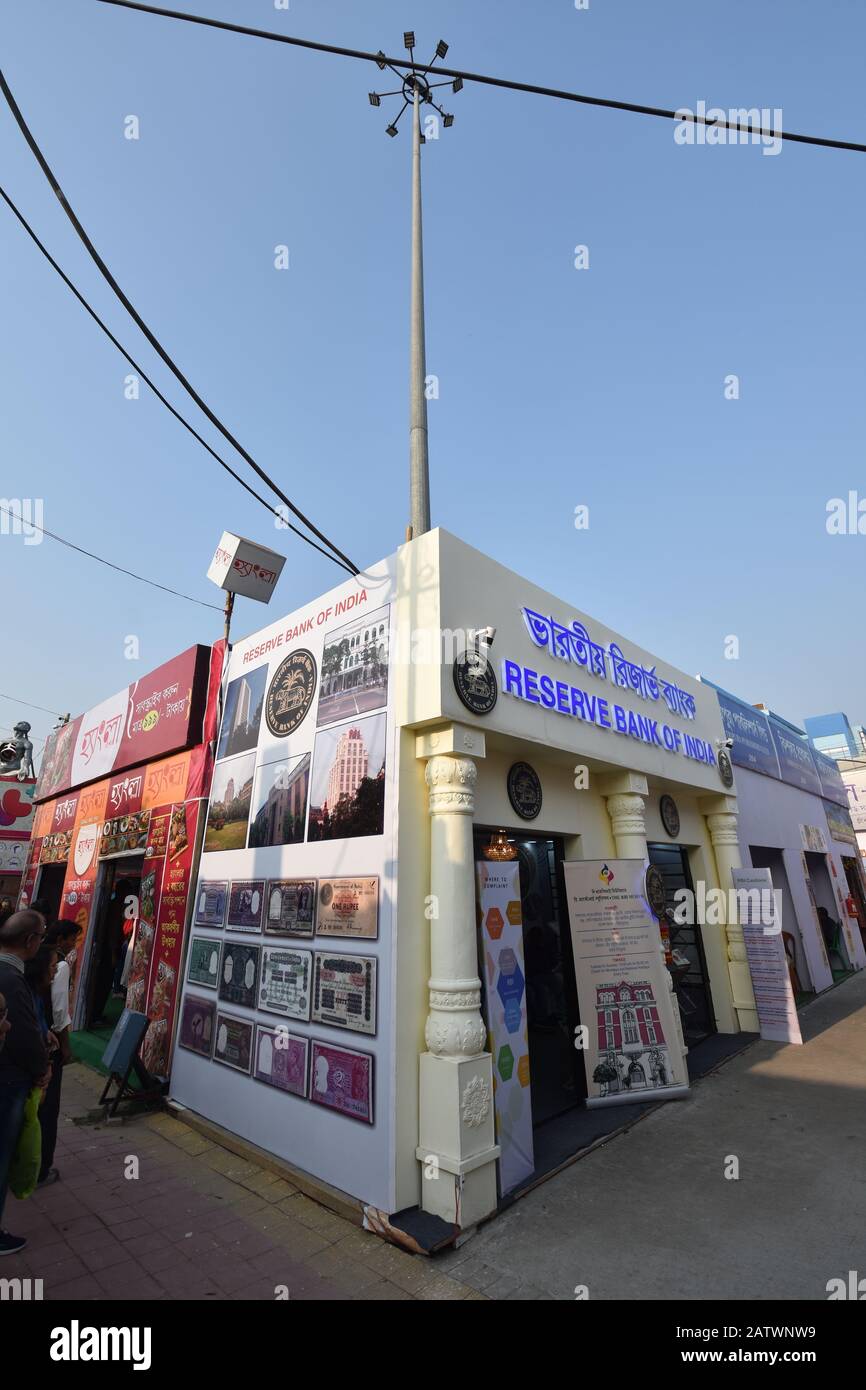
(290, 693)
(655, 890)
(524, 790)
(670, 816)
(726, 771)
(475, 683)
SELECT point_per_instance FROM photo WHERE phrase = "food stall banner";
(767, 960)
(632, 1051)
(165, 956)
(498, 886)
(160, 712)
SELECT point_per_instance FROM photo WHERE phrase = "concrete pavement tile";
(232, 1275)
(442, 1289)
(83, 1287)
(384, 1291)
(46, 1255)
(80, 1226)
(155, 1260)
(108, 1258)
(502, 1287)
(127, 1230)
(63, 1270)
(146, 1244)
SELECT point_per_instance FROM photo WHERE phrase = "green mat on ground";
(89, 1044)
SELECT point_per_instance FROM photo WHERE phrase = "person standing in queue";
(24, 1056)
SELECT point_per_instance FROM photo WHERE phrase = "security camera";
(485, 636)
(724, 743)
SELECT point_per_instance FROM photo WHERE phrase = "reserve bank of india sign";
(290, 693)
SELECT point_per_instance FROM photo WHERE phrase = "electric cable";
(16, 516)
(382, 59)
(148, 333)
(30, 705)
(155, 389)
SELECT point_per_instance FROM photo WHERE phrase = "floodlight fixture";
(457, 84)
(381, 61)
(375, 99)
(391, 130)
(409, 39)
(441, 48)
(447, 120)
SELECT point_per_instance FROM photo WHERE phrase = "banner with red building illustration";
(631, 1047)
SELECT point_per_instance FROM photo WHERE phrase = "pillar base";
(457, 1148)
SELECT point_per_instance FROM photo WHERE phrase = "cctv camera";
(724, 743)
(486, 635)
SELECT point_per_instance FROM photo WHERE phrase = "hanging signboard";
(765, 953)
(631, 1048)
(505, 988)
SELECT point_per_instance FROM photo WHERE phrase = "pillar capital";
(627, 814)
(724, 829)
(451, 780)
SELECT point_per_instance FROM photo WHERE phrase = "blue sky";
(558, 387)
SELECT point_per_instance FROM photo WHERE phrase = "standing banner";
(765, 953)
(631, 1046)
(505, 980)
(162, 987)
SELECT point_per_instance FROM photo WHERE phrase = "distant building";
(242, 706)
(230, 791)
(349, 767)
(832, 734)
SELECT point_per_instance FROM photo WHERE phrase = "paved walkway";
(197, 1223)
(651, 1215)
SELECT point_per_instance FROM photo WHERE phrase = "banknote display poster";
(239, 973)
(203, 965)
(348, 907)
(342, 1080)
(285, 982)
(197, 1025)
(290, 907)
(631, 1050)
(344, 992)
(299, 861)
(246, 903)
(234, 1042)
(765, 953)
(210, 904)
(281, 1060)
(498, 890)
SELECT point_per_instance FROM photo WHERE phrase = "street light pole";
(419, 469)
(416, 90)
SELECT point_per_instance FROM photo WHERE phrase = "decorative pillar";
(628, 824)
(457, 1146)
(726, 847)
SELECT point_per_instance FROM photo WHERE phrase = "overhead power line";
(16, 516)
(30, 705)
(155, 389)
(148, 333)
(484, 80)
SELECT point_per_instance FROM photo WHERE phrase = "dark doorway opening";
(103, 992)
(50, 888)
(689, 968)
(556, 1071)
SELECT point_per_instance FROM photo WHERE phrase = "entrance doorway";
(558, 1082)
(828, 914)
(855, 892)
(763, 857)
(102, 991)
(49, 889)
(689, 967)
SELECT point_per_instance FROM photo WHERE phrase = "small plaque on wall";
(670, 816)
(524, 790)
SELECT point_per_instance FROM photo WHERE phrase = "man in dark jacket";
(24, 1057)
